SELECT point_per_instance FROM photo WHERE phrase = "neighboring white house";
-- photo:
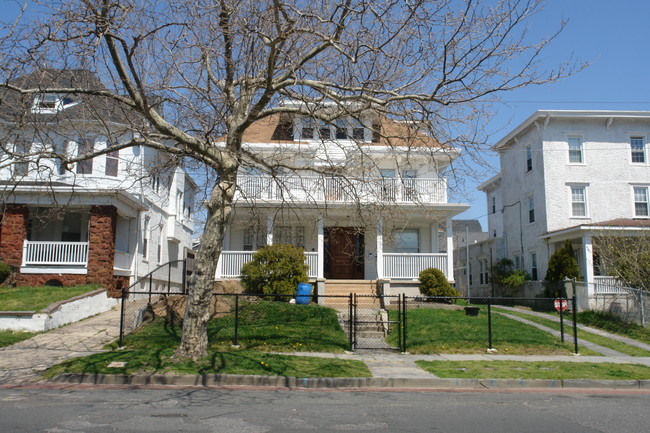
(106, 220)
(566, 175)
(365, 197)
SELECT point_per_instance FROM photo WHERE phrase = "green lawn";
(37, 298)
(535, 370)
(431, 330)
(265, 326)
(582, 335)
(280, 326)
(611, 323)
(7, 338)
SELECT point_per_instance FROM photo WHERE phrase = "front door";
(344, 253)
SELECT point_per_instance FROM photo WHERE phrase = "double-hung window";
(112, 163)
(21, 164)
(575, 150)
(578, 201)
(84, 147)
(531, 209)
(533, 266)
(637, 147)
(641, 201)
(529, 159)
(407, 241)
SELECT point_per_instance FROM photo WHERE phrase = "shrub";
(561, 265)
(507, 278)
(5, 271)
(434, 283)
(275, 270)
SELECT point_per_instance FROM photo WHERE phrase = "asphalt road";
(258, 411)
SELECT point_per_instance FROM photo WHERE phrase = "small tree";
(507, 278)
(275, 270)
(434, 283)
(5, 271)
(561, 265)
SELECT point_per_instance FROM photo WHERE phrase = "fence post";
(642, 308)
(122, 299)
(562, 321)
(405, 322)
(575, 326)
(150, 284)
(236, 320)
(489, 305)
(350, 322)
(169, 276)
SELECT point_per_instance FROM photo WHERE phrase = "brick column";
(14, 233)
(101, 249)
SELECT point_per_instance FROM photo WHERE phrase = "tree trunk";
(194, 341)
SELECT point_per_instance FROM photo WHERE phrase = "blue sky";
(613, 37)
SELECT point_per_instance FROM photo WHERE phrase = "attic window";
(50, 103)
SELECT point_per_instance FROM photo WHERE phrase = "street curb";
(342, 382)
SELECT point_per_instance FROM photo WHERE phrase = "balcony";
(313, 189)
(66, 257)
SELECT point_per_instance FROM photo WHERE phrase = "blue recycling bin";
(303, 294)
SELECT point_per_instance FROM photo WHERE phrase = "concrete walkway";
(22, 362)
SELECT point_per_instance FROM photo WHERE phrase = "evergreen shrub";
(5, 271)
(275, 270)
(434, 283)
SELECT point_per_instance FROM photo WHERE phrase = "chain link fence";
(355, 322)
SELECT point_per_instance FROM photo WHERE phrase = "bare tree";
(627, 257)
(200, 73)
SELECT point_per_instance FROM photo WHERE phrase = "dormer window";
(307, 130)
(51, 103)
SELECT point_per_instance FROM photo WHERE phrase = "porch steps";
(342, 288)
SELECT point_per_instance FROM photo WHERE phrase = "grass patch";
(280, 326)
(612, 323)
(451, 331)
(7, 338)
(535, 370)
(37, 298)
(582, 335)
(299, 327)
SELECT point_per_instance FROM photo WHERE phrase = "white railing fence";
(340, 189)
(55, 253)
(400, 265)
(607, 285)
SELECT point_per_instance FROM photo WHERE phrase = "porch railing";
(42, 253)
(607, 285)
(231, 262)
(340, 189)
(409, 265)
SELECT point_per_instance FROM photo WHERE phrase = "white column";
(380, 248)
(269, 229)
(321, 246)
(588, 262)
(435, 248)
(450, 251)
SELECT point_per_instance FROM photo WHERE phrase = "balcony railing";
(341, 189)
(39, 253)
(401, 265)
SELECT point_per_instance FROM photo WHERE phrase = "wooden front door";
(344, 253)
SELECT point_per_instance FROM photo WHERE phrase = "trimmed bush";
(562, 265)
(275, 270)
(434, 283)
(5, 271)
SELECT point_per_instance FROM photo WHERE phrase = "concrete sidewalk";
(23, 362)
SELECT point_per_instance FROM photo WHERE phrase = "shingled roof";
(17, 107)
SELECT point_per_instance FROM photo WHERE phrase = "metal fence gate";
(376, 322)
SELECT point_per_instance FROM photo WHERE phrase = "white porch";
(377, 257)
(42, 257)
